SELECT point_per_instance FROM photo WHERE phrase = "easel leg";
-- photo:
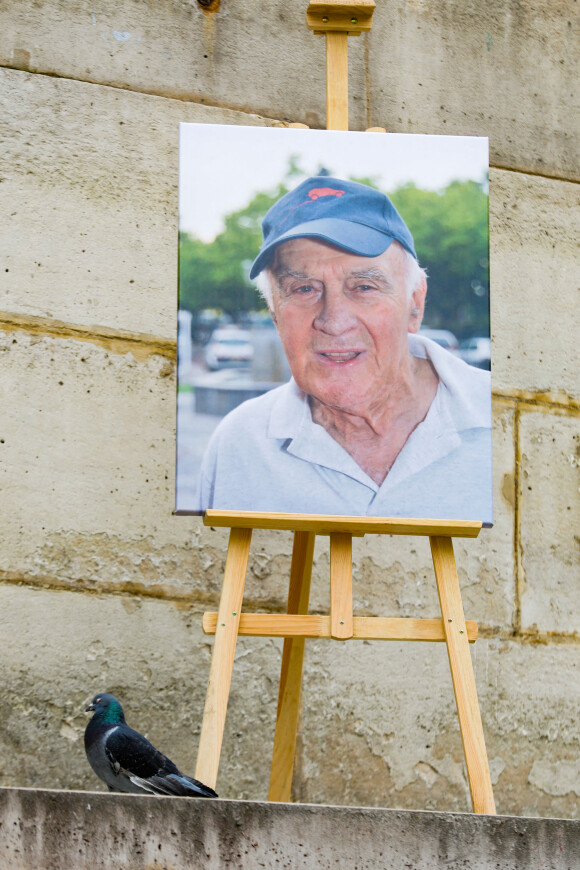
(291, 672)
(462, 675)
(222, 661)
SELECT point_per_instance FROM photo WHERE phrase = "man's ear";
(417, 305)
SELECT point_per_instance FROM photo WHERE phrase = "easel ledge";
(327, 525)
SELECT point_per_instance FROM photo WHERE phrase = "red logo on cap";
(317, 192)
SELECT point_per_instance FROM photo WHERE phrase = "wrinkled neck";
(400, 405)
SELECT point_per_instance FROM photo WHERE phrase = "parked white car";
(442, 336)
(229, 347)
(476, 351)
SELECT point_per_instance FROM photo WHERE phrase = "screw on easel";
(449, 620)
(325, 19)
(354, 20)
(234, 612)
(460, 631)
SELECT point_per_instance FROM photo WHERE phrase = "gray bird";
(126, 761)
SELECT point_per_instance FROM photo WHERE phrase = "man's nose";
(335, 315)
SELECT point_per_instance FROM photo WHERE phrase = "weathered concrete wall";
(100, 586)
(503, 69)
(49, 830)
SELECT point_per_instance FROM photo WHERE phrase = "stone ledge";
(46, 830)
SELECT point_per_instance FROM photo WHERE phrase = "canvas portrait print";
(333, 323)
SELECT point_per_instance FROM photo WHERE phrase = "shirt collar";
(470, 408)
(291, 420)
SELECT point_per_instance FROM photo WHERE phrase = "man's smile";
(339, 356)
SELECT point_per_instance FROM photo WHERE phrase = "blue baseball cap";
(348, 215)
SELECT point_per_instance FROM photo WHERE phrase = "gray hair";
(414, 276)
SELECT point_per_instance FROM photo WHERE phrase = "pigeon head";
(106, 708)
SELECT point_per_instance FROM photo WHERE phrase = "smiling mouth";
(340, 356)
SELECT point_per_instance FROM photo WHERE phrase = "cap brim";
(352, 237)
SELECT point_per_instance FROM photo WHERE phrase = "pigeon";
(126, 761)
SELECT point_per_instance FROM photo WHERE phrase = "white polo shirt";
(268, 455)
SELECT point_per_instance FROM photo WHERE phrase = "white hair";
(414, 276)
(263, 281)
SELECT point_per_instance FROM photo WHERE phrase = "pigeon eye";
(98, 700)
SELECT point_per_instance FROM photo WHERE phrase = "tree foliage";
(215, 274)
(450, 229)
(450, 232)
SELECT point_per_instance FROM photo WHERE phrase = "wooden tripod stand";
(340, 624)
(337, 19)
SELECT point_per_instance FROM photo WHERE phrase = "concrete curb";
(46, 830)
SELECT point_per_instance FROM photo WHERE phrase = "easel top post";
(340, 16)
(338, 20)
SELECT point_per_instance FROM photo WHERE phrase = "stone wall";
(100, 586)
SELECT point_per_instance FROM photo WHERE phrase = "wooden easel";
(337, 19)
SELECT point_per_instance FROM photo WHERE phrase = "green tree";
(215, 274)
(450, 229)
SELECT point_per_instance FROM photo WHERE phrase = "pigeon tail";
(175, 784)
(190, 787)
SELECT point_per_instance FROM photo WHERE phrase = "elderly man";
(377, 420)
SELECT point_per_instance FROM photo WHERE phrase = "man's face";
(343, 321)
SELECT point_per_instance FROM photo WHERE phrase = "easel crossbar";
(364, 627)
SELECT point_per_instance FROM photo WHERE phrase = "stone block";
(549, 509)
(89, 495)
(87, 476)
(426, 68)
(534, 228)
(530, 700)
(245, 56)
(388, 712)
(89, 195)
(504, 69)
(386, 709)
(91, 206)
(58, 649)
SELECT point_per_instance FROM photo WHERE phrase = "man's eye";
(304, 289)
(364, 288)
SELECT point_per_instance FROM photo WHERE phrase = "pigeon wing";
(129, 751)
(131, 754)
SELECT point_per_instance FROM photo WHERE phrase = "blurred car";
(229, 347)
(184, 345)
(476, 351)
(442, 336)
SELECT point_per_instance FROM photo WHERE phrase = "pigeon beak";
(90, 708)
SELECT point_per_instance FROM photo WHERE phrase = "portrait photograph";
(333, 323)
